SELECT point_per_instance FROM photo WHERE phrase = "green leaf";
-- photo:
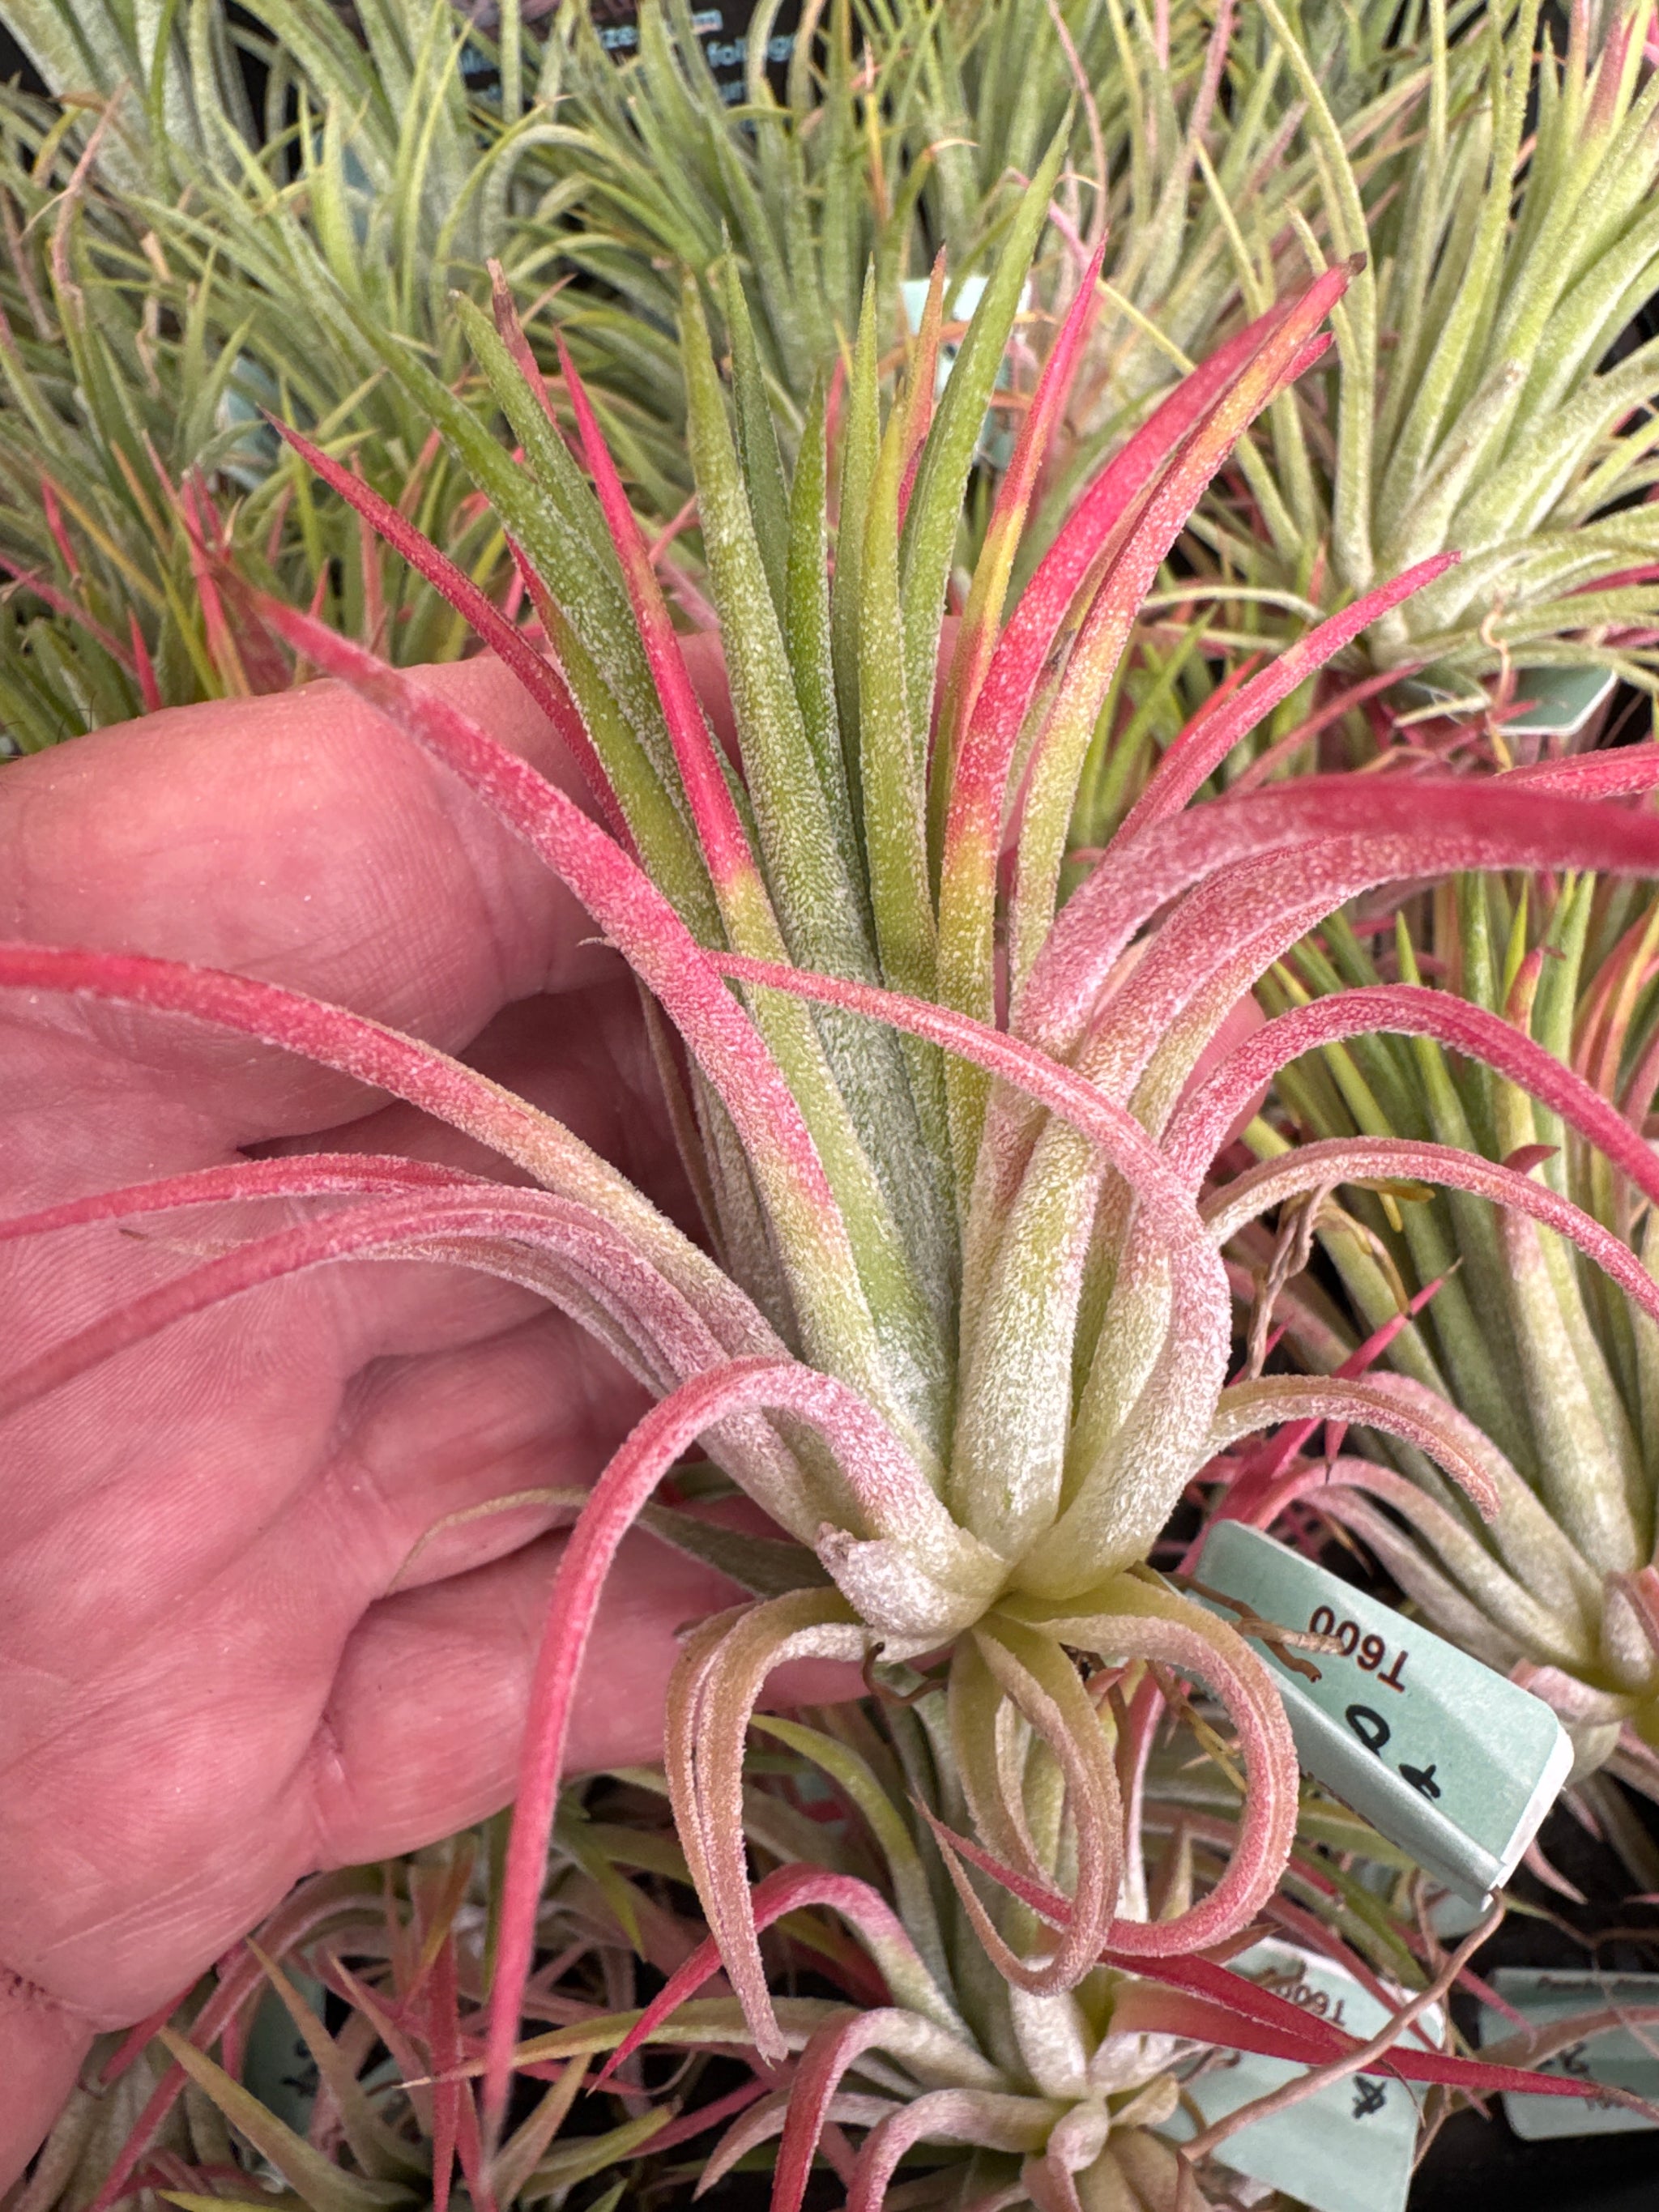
(374, 2146)
(764, 1565)
(935, 511)
(861, 440)
(325, 2186)
(757, 439)
(807, 627)
(190, 2204)
(586, 2156)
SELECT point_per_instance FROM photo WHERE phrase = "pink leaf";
(973, 2116)
(725, 846)
(1262, 1466)
(624, 1487)
(539, 677)
(1118, 1134)
(1357, 1159)
(1404, 829)
(823, 2066)
(977, 636)
(790, 1889)
(1195, 757)
(1389, 1402)
(331, 1036)
(811, 1233)
(497, 1233)
(314, 1174)
(1411, 1010)
(149, 689)
(1125, 503)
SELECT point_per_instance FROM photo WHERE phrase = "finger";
(423, 1442)
(424, 1728)
(298, 838)
(41, 2048)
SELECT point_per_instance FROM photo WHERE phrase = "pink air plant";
(1545, 1371)
(964, 1333)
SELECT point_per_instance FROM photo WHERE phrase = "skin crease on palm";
(213, 1678)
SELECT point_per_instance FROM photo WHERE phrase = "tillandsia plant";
(336, 2041)
(324, 2049)
(1492, 389)
(974, 2089)
(962, 1329)
(1554, 1375)
(967, 2089)
(167, 249)
(158, 287)
(901, 130)
(139, 343)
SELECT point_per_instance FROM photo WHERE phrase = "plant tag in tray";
(277, 2067)
(1559, 701)
(996, 445)
(1624, 2058)
(1348, 2147)
(1445, 1757)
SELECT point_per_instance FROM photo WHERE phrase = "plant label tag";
(1626, 2057)
(1445, 1757)
(1559, 701)
(277, 2067)
(1552, 702)
(1348, 2146)
(996, 445)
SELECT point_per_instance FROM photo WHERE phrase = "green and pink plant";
(1551, 1374)
(961, 1326)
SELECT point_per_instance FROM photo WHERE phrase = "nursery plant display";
(966, 1343)
(157, 285)
(1554, 1375)
(950, 1098)
(168, 240)
(1489, 390)
(171, 241)
(978, 2088)
(1240, 156)
(1224, 157)
(348, 2116)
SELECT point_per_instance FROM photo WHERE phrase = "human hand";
(207, 1686)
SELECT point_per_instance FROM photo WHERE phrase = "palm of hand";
(208, 1684)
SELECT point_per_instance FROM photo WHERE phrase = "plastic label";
(1348, 2146)
(1625, 2058)
(1445, 1757)
(1560, 700)
(996, 445)
(1556, 702)
(277, 2067)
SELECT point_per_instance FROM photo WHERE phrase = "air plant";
(157, 291)
(169, 248)
(964, 2087)
(920, 2046)
(961, 1329)
(377, 1975)
(900, 130)
(1552, 1376)
(137, 348)
(1492, 389)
